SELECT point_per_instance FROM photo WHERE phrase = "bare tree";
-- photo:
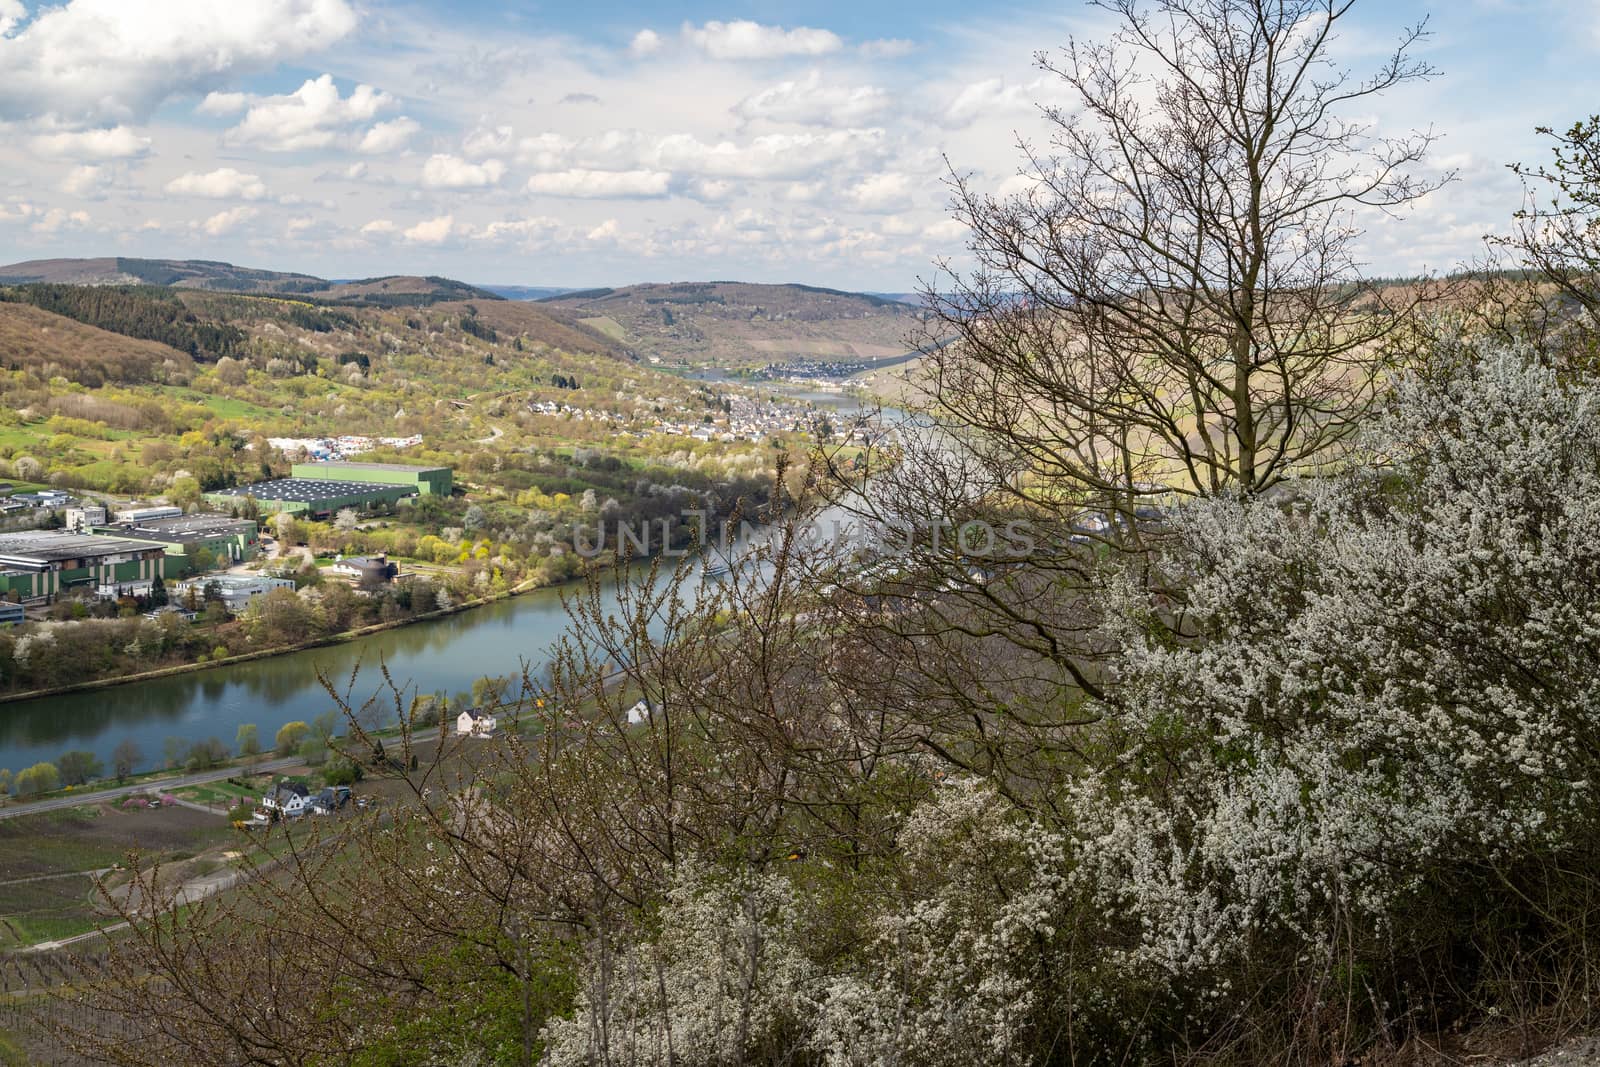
(1175, 303)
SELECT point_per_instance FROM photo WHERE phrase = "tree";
(289, 737)
(172, 750)
(125, 758)
(248, 740)
(5, 781)
(1558, 233)
(1173, 304)
(204, 755)
(158, 592)
(78, 766)
(314, 750)
(40, 778)
(324, 726)
(345, 520)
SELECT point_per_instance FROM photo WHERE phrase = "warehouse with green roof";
(426, 481)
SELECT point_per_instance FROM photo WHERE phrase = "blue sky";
(608, 143)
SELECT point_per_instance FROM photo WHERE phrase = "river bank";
(277, 650)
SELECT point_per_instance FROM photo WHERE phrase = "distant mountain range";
(699, 324)
(210, 275)
(734, 324)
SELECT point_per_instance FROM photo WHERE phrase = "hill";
(204, 274)
(738, 324)
(527, 292)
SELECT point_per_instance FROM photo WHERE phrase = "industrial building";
(236, 591)
(424, 481)
(43, 563)
(316, 498)
(184, 538)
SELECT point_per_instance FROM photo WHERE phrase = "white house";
(474, 722)
(289, 799)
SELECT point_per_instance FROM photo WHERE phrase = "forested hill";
(389, 291)
(211, 325)
(738, 323)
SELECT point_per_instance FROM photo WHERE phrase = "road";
(167, 785)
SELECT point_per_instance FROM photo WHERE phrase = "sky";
(584, 144)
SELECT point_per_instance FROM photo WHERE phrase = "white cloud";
(118, 142)
(452, 172)
(993, 97)
(227, 221)
(223, 103)
(743, 39)
(484, 141)
(712, 190)
(225, 183)
(88, 181)
(645, 42)
(11, 15)
(888, 48)
(602, 184)
(387, 137)
(379, 226)
(609, 230)
(310, 117)
(431, 232)
(881, 192)
(527, 231)
(57, 219)
(810, 102)
(767, 157)
(99, 61)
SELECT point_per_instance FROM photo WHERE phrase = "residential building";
(289, 799)
(365, 570)
(475, 722)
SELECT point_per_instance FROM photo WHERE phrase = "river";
(448, 653)
(442, 654)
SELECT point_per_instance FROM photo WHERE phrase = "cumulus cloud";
(118, 142)
(743, 39)
(217, 103)
(313, 116)
(810, 102)
(991, 97)
(881, 192)
(769, 156)
(602, 184)
(645, 42)
(11, 15)
(107, 61)
(431, 232)
(379, 227)
(225, 183)
(452, 172)
(89, 181)
(391, 136)
(488, 141)
(227, 221)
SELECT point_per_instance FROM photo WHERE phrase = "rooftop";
(38, 547)
(305, 490)
(183, 528)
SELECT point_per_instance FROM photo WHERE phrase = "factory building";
(37, 564)
(188, 539)
(424, 481)
(315, 498)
